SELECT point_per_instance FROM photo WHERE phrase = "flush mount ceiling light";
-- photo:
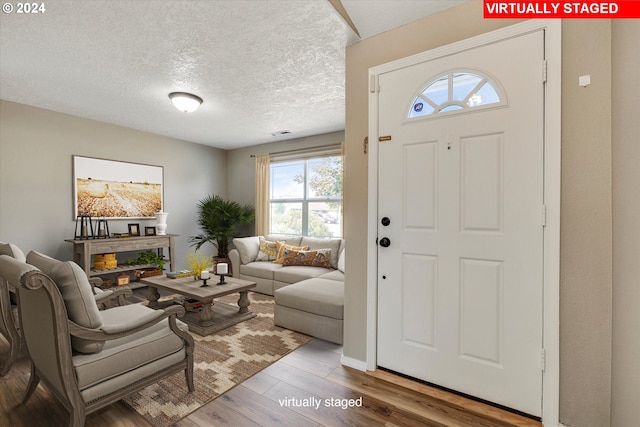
(186, 102)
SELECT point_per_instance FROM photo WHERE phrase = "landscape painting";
(115, 189)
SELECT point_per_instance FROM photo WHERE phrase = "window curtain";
(342, 148)
(263, 196)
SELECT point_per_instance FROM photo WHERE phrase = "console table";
(83, 249)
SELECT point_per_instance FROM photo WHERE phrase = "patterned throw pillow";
(281, 246)
(316, 258)
(267, 251)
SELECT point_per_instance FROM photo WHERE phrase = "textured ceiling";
(261, 66)
(372, 17)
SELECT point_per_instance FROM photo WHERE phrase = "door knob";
(385, 221)
(385, 242)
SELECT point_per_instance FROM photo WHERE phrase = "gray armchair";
(9, 323)
(9, 327)
(86, 357)
(103, 298)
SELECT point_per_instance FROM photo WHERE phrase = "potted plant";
(219, 220)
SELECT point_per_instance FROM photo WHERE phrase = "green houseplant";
(219, 219)
(148, 257)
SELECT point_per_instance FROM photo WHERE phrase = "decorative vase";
(161, 225)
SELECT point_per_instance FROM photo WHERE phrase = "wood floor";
(308, 387)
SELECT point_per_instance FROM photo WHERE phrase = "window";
(454, 91)
(306, 196)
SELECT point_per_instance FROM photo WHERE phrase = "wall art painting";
(116, 189)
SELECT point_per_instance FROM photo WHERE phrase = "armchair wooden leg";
(188, 373)
(78, 416)
(33, 383)
(14, 350)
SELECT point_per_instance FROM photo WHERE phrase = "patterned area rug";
(221, 361)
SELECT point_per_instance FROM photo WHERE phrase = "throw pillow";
(281, 246)
(317, 258)
(267, 250)
(324, 243)
(247, 247)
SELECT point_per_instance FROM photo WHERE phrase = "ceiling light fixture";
(186, 102)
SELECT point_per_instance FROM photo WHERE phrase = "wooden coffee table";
(211, 318)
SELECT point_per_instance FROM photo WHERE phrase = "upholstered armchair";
(104, 298)
(86, 357)
(9, 324)
(9, 327)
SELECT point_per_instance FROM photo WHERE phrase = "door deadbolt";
(385, 221)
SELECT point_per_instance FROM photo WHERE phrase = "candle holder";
(84, 227)
(102, 227)
(222, 269)
(204, 275)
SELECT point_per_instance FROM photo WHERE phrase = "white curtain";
(342, 152)
(263, 197)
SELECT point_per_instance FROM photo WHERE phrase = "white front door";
(460, 276)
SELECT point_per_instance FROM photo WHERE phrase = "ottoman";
(313, 306)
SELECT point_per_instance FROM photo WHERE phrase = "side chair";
(89, 358)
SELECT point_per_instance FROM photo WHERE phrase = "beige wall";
(36, 145)
(586, 201)
(625, 407)
(585, 236)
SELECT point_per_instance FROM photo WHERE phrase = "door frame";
(551, 232)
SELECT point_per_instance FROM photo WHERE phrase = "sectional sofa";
(304, 274)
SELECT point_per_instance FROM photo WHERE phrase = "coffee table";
(212, 317)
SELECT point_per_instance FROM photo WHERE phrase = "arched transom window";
(456, 91)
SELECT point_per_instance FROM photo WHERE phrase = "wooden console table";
(83, 249)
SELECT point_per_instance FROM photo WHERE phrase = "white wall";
(36, 148)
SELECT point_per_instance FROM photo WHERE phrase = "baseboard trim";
(360, 365)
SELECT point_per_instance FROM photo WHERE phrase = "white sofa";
(308, 299)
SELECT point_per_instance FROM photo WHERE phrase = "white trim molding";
(350, 362)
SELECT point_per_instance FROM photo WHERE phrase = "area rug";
(221, 361)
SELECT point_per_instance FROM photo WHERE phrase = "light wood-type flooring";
(308, 387)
